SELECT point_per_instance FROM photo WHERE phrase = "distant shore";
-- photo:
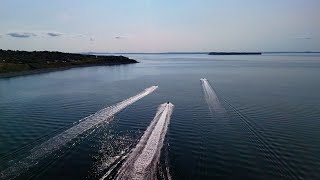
(235, 53)
(18, 63)
(156, 53)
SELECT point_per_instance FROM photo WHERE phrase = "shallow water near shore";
(270, 127)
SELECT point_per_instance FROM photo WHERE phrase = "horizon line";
(198, 52)
(169, 52)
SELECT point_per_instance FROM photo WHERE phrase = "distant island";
(235, 53)
(13, 63)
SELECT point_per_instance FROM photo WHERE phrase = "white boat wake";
(85, 124)
(211, 97)
(142, 161)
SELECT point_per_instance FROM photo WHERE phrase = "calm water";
(271, 128)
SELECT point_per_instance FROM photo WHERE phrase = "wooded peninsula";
(22, 62)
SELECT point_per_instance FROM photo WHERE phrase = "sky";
(160, 25)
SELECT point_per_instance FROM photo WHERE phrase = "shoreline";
(47, 70)
(235, 53)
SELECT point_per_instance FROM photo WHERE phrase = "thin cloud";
(21, 34)
(303, 37)
(54, 34)
(119, 37)
(49, 34)
(77, 35)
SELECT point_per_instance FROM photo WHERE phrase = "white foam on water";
(142, 161)
(85, 124)
(211, 97)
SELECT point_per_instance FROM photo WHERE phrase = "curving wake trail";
(85, 124)
(142, 161)
(211, 97)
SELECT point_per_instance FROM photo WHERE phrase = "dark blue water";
(270, 130)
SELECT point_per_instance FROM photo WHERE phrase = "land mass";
(13, 63)
(235, 53)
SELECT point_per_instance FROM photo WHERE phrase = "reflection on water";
(270, 127)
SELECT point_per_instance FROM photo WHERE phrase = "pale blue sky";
(160, 25)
